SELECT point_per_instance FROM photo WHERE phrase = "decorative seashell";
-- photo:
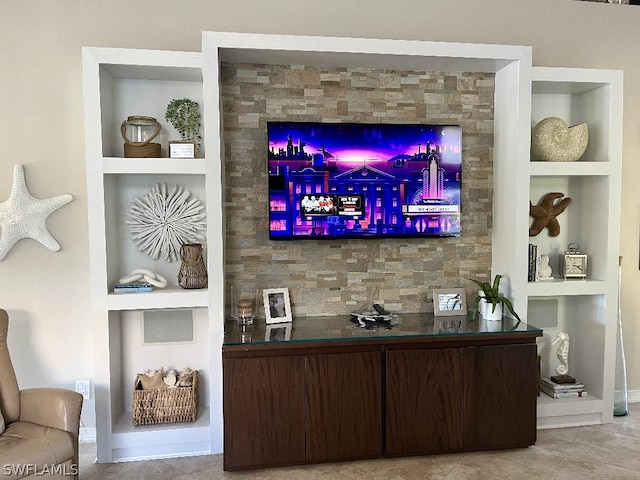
(185, 378)
(151, 380)
(170, 378)
(553, 141)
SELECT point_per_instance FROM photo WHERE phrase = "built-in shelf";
(119, 83)
(183, 166)
(585, 309)
(167, 440)
(566, 412)
(122, 82)
(168, 297)
(550, 169)
(561, 286)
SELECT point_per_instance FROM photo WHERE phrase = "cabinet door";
(263, 411)
(500, 396)
(344, 406)
(424, 401)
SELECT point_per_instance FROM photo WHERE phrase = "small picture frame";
(182, 149)
(449, 301)
(278, 332)
(277, 306)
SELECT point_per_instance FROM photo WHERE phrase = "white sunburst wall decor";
(163, 220)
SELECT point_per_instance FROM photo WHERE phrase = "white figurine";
(544, 270)
(563, 353)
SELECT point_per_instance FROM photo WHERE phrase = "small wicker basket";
(165, 405)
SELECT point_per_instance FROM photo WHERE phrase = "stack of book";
(533, 263)
(132, 287)
(562, 390)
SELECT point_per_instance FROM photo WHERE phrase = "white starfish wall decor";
(24, 216)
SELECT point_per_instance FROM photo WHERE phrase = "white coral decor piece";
(162, 221)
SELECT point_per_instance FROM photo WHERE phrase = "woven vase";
(193, 272)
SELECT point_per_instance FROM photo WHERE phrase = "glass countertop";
(348, 327)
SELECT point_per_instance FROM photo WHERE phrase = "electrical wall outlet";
(84, 388)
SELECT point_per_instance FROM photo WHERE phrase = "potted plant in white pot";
(184, 115)
(490, 301)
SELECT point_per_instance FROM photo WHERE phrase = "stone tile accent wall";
(329, 277)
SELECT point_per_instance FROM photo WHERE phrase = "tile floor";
(597, 452)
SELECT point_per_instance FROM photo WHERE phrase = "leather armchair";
(41, 425)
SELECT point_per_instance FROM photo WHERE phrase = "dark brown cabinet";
(344, 406)
(264, 411)
(468, 398)
(316, 401)
(500, 396)
(424, 401)
(284, 410)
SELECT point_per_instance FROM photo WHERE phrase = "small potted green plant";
(490, 293)
(184, 115)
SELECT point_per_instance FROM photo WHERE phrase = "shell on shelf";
(552, 140)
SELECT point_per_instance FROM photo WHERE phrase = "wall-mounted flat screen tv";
(355, 180)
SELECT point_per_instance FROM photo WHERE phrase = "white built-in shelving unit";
(586, 309)
(120, 82)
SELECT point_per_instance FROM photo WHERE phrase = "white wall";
(41, 123)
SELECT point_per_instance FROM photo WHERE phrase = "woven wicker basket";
(165, 405)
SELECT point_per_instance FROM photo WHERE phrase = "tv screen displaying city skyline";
(356, 180)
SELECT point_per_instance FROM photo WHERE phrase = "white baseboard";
(633, 396)
(87, 435)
